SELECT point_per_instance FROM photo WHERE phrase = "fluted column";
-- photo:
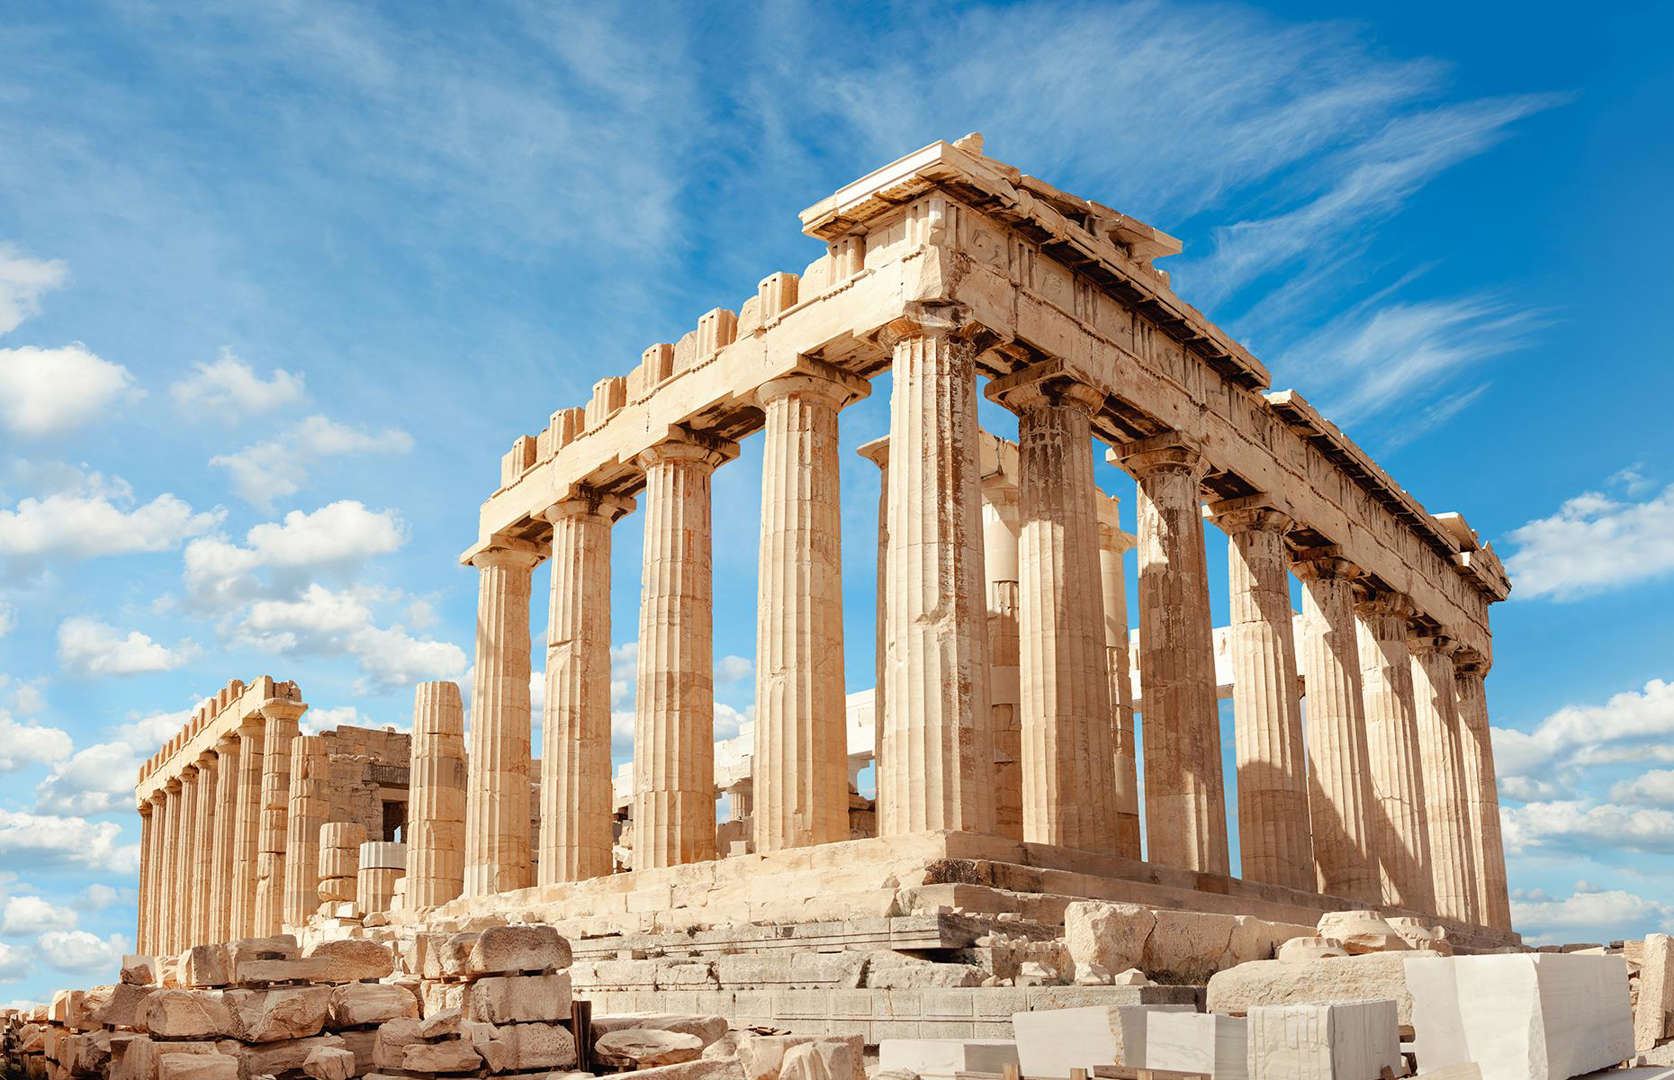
(1275, 843)
(278, 732)
(247, 826)
(436, 790)
(203, 846)
(159, 886)
(1068, 754)
(497, 842)
(877, 452)
(1470, 668)
(147, 876)
(1185, 795)
(1000, 527)
(938, 742)
(800, 765)
(1453, 869)
(1339, 768)
(576, 810)
(185, 861)
(674, 712)
(1114, 544)
(1403, 845)
(168, 940)
(224, 842)
(310, 806)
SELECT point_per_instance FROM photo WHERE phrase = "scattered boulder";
(329, 1063)
(1361, 932)
(1104, 938)
(1314, 982)
(642, 1048)
(510, 950)
(1303, 949)
(349, 960)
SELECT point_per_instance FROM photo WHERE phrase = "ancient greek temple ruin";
(1015, 710)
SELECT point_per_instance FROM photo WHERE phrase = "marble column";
(147, 876)
(938, 742)
(1470, 668)
(1068, 757)
(186, 877)
(497, 840)
(801, 775)
(877, 452)
(1447, 811)
(168, 940)
(1114, 544)
(247, 826)
(225, 842)
(159, 887)
(1339, 768)
(576, 808)
(674, 710)
(203, 847)
(310, 807)
(279, 729)
(436, 823)
(1185, 796)
(1000, 525)
(1275, 843)
(1403, 845)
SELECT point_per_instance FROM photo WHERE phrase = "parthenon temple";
(1028, 747)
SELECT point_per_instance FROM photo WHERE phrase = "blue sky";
(280, 283)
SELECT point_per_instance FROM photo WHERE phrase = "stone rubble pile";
(494, 1002)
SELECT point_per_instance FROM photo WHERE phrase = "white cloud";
(81, 952)
(1369, 180)
(337, 536)
(95, 780)
(94, 516)
(33, 915)
(1653, 788)
(1384, 358)
(50, 840)
(23, 281)
(1632, 723)
(14, 963)
(30, 744)
(323, 621)
(89, 647)
(316, 719)
(1583, 827)
(1593, 543)
(97, 897)
(731, 669)
(227, 390)
(1590, 914)
(266, 471)
(49, 391)
(146, 733)
(8, 618)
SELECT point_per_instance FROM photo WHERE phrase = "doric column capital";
(507, 555)
(281, 709)
(158, 797)
(251, 727)
(1044, 385)
(1250, 513)
(1423, 642)
(876, 451)
(207, 759)
(1324, 564)
(815, 379)
(172, 785)
(145, 808)
(226, 744)
(927, 320)
(589, 501)
(683, 444)
(1170, 452)
(1468, 661)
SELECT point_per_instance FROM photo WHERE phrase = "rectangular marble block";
(1350, 1041)
(1051, 1042)
(1523, 1016)
(1198, 1042)
(940, 1059)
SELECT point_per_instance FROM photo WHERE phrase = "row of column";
(213, 839)
(1379, 802)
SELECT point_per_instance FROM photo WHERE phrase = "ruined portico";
(946, 268)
